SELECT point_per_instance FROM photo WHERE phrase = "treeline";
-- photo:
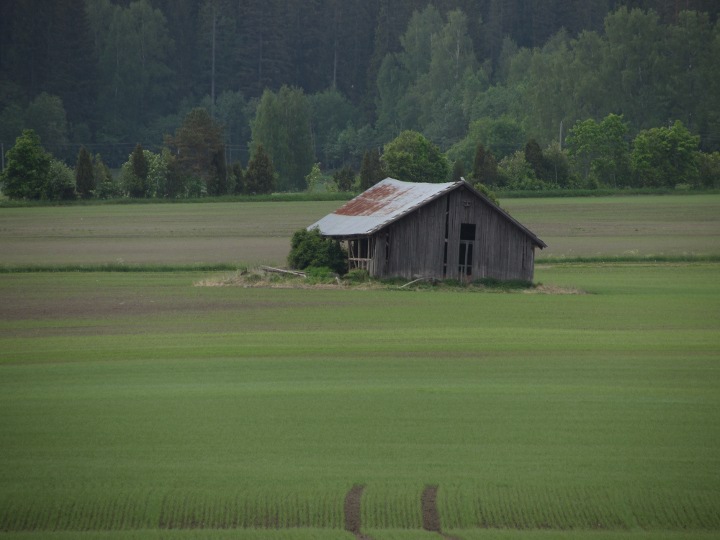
(325, 81)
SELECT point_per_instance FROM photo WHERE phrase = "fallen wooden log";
(283, 271)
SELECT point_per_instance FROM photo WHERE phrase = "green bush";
(309, 249)
(357, 275)
(320, 274)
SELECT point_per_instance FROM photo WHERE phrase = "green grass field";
(143, 406)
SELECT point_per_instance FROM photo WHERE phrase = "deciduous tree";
(27, 168)
(282, 126)
(664, 157)
(412, 158)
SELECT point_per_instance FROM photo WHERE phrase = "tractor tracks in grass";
(428, 505)
(352, 507)
(430, 514)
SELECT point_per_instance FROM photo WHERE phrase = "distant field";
(260, 232)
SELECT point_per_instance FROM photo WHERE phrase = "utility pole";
(212, 75)
(560, 141)
(2, 153)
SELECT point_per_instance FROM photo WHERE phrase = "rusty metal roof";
(379, 206)
(389, 200)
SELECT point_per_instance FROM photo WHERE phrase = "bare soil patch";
(430, 514)
(352, 509)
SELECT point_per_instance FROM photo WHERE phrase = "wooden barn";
(442, 231)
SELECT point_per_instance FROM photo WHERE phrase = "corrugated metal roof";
(389, 200)
(380, 205)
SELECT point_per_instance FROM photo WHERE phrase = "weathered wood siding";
(414, 245)
(501, 250)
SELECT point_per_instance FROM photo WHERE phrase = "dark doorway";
(467, 240)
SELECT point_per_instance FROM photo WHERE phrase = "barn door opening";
(467, 240)
(360, 252)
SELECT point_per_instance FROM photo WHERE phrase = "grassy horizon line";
(345, 196)
(224, 267)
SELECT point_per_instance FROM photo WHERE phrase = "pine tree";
(484, 167)
(217, 183)
(458, 171)
(140, 169)
(260, 174)
(239, 178)
(534, 156)
(195, 144)
(371, 170)
(84, 174)
(344, 178)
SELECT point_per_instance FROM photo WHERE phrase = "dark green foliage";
(106, 187)
(412, 158)
(346, 76)
(709, 170)
(217, 181)
(482, 188)
(371, 170)
(344, 179)
(27, 167)
(535, 158)
(484, 167)
(558, 166)
(175, 179)
(458, 171)
(238, 176)
(46, 116)
(663, 157)
(309, 249)
(61, 182)
(196, 145)
(282, 126)
(331, 113)
(357, 275)
(84, 174)
(600, 151)
(139, 167)
(260, 174)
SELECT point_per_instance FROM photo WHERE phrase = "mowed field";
(140, 405)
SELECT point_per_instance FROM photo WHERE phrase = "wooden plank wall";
(501, 250)
(416, 244)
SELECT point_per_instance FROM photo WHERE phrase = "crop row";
(463, 506)
(173, 510)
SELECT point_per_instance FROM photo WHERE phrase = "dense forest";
(539, 92)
